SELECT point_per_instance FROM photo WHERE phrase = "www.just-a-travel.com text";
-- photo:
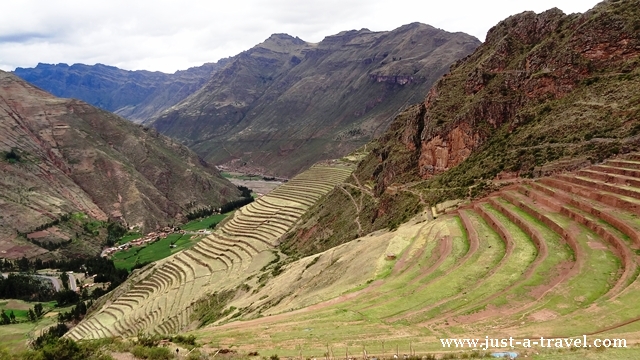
(502, 343)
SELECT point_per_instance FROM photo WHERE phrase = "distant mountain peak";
(281, 42)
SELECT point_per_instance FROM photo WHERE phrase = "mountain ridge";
(133, 94)
(276, 112)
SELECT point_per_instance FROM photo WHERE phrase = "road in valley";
(54, 280)
(72, 282)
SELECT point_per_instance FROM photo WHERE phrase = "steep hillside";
(284, 104)
(546, 92)
(135, 95)
(555, 258)
(61, 157)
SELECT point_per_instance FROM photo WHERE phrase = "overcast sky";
(169, 35)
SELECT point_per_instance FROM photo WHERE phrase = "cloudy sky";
(168, 35)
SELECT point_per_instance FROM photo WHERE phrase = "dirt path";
(355, 204)
(362, 188)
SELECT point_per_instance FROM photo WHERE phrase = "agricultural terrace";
(556, 257)
(161, 297)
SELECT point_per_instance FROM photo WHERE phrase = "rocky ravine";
(63, 156)
(286, 103)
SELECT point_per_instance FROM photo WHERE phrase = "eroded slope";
(62, 156)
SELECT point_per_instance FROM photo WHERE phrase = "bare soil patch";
(17, 305)
(595, 245)
(543, 315)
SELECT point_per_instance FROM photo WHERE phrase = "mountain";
(545, 93)
(135, 95)
(62, 159)
(285, 104)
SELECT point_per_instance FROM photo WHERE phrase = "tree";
(12, 317)
(5, 318)
(66, 297)
(64, 277)
(12, 156)
(38, 309)
(23, 264)
(32, 315)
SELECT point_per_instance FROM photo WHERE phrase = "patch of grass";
(205, 223)
(241, 176)
(211, 308)
(152, 252)
(152, 353)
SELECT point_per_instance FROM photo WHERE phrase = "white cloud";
(169, 35)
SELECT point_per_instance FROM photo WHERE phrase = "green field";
(204, 223)
(160, 249)
(15, 336)
(152, 252)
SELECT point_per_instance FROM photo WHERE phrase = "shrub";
(152, 353)
(186, 340)
(12, 157)
(196, 355)
(148, 341)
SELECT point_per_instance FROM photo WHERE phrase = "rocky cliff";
(545, 93)
(544, 87)
(135, 95)
(62, 157)
(286, 103)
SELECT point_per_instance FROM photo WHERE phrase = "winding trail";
(355, 204)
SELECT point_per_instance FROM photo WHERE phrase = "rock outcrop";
(524, 73)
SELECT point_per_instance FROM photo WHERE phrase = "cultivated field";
(556, 257)
(161, 298)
